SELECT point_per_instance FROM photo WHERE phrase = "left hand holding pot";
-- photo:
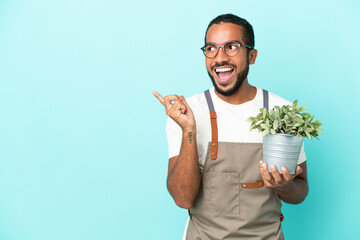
(276, 180)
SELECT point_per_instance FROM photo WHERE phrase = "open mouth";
(224, 74)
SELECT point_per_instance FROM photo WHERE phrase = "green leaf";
(276, 124)
(295, 103)
(258, 122)
(251, 119)
(302, 109)
(307, 134)
(265, 132)
(319, 130)
(267, 122)
(264, 112)
(252, 128)
(305, 115)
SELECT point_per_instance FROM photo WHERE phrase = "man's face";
(227, 73)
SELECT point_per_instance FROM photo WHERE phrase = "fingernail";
(261, 162)
(272, 166)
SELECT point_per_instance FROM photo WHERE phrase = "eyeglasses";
(231, 48)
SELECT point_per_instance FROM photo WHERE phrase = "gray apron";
(233, 202)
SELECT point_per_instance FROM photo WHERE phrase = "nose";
(221, 56)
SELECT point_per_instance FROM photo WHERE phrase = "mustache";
(224, 63)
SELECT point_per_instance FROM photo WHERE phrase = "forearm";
(184, 179)
(294, 192)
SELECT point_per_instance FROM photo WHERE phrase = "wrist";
(189, 135)
(189, 129)
(285, 188)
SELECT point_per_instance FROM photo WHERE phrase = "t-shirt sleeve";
(302, 156)
(174, 137)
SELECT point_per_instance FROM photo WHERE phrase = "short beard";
(239, 81)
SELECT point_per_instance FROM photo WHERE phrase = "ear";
(252, 56)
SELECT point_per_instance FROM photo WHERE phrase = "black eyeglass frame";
(222, 46)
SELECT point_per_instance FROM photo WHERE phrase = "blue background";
(83, 150)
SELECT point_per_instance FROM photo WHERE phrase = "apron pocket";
(224, 192)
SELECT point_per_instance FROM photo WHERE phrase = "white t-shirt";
(232, 122)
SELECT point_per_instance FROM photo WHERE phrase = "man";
(215, 168)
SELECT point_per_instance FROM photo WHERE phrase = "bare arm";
(184, 177)
(291, 189)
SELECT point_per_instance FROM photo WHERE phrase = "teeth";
(223, 69)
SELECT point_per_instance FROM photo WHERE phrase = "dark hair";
(249, 38)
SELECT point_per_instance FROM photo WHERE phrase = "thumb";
(184, 101)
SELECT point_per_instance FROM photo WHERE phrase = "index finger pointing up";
(159, 97)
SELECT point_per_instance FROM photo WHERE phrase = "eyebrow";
(207, 43)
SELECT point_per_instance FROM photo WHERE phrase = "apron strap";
(266, 99)
(209, 100)
(213, 122)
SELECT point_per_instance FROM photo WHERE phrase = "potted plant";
(283, 130)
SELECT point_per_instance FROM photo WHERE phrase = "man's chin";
(228, 88)
(224, 90)
(223, 87)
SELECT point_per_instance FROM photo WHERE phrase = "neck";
(244, 94)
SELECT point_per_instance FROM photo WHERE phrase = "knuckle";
(169, 111)
(172, 116)
(167, 99)
(267, 184)
(266, 177)
(170, 96)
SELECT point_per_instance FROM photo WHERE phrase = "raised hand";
(177, 108)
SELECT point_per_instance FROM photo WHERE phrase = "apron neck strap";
(209, 100)
(266, 99)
